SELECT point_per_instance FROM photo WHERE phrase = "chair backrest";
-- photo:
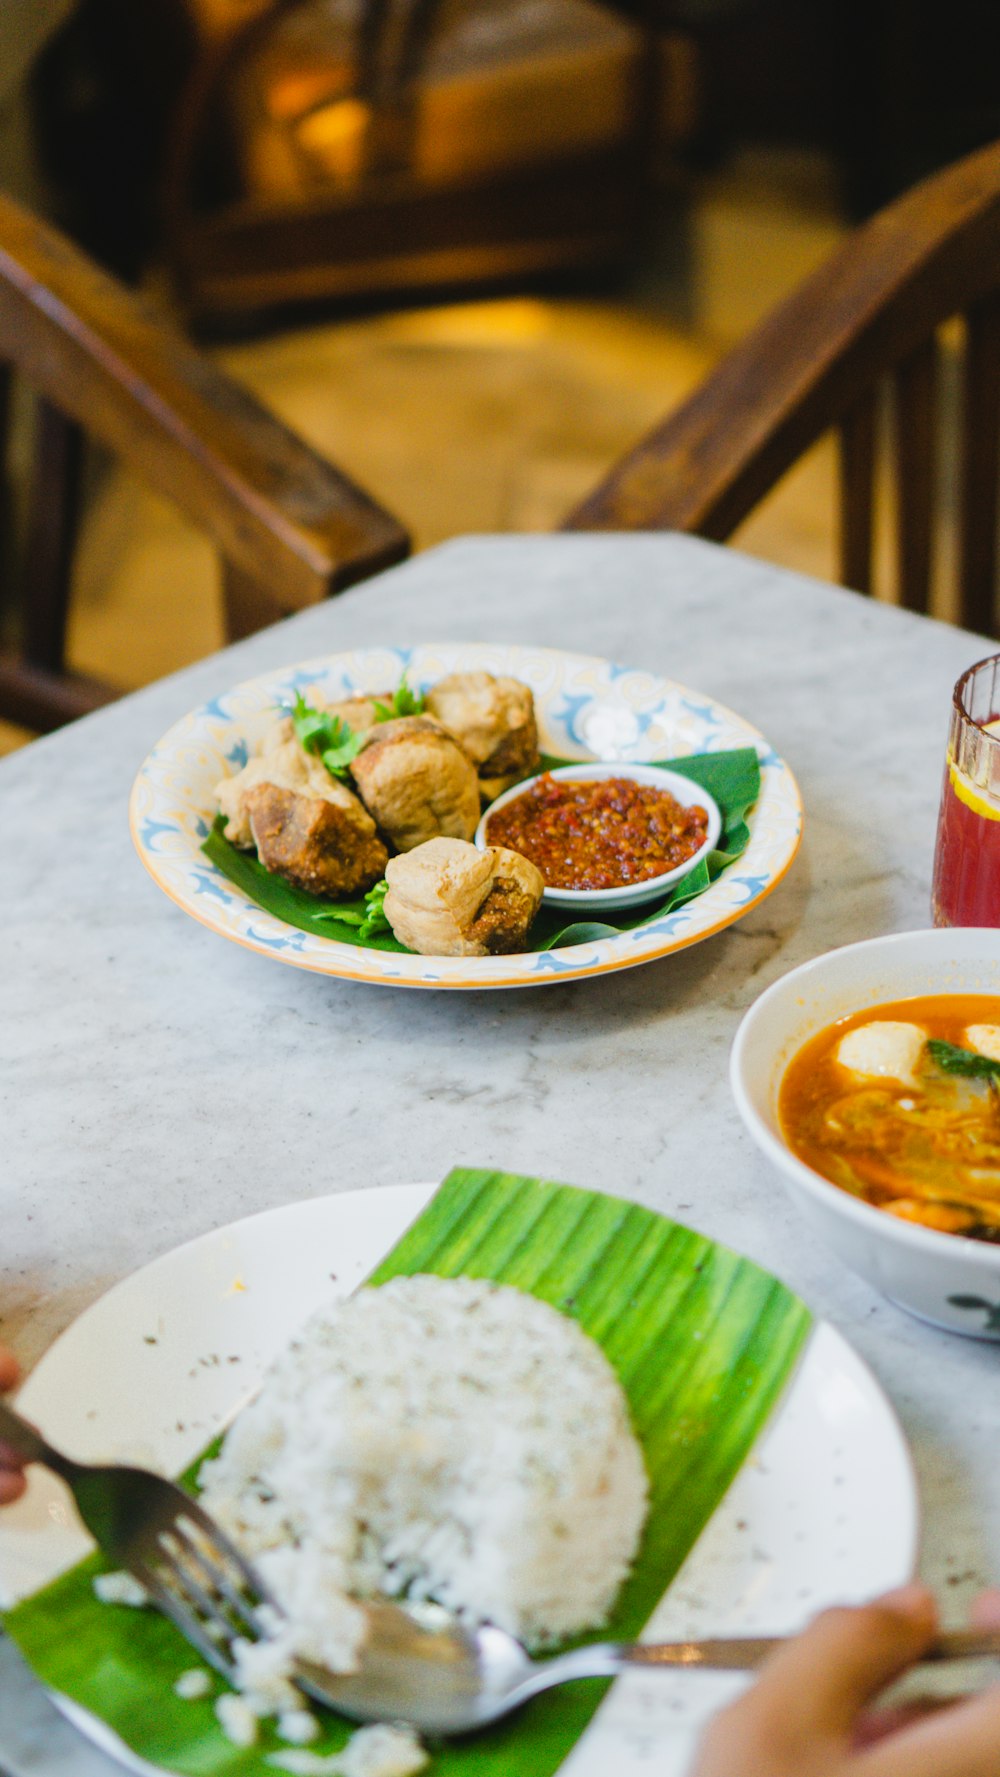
(331, 153)
(868, 319)
(289, 527)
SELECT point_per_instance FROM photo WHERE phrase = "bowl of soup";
(870, 1077)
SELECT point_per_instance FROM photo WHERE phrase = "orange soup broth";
(814, 1080)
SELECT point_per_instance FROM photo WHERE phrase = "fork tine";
(190, 1626)
(208, 1605)
(216, 1576)
(224, 1551)
(178, 1559)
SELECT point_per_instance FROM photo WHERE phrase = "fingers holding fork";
(11, 1474)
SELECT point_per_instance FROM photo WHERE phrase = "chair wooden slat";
(53, 521)
(280, 515)
(41, 700)
(6, 541)
(979, 466)
(857, 434)
(915, 392)
(247, 603)
(869, 313)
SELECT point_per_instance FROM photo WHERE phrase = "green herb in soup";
(953, 1060)
(900, 1105)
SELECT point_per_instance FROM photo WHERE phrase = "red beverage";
(966, 888)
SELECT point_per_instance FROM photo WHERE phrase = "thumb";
(819, 1682)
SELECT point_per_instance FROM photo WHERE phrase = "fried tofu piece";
(305, 825)
(417, 782)
(505, 917)
(285, 764)
(494, 718)
(324, 844)
(446, 898)
(884, 1049)
(282, 762)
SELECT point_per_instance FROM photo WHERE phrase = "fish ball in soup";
(984, 1039)
(883, 1050)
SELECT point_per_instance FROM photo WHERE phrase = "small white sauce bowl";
(633, 894)
(947, 1279)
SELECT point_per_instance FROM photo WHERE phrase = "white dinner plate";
(587, 709)
(824, 1511)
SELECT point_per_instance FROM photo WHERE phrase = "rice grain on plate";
(120, 1588)
(451, 1439)
(194, 1683)
(377, 1751)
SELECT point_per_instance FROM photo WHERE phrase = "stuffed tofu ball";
(417, 782)
(303, 824)
(495, 721)
(447, 898)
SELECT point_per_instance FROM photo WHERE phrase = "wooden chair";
(869, 317)
(405, 146)
(289, 527)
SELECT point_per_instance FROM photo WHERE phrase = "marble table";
(142, 1059)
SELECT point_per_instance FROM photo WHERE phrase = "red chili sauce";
(598, 833)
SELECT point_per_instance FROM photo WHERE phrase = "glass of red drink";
(967, 856)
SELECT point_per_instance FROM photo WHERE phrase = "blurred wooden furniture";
(24, 27)
(864, 330)
(289, 527)
(404, 145)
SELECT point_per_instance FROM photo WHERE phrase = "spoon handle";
(746, 1653)
(743, 1653)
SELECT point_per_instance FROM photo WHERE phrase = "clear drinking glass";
(966, 888)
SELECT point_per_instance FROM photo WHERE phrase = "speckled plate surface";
(825, 1511)
(587, 708)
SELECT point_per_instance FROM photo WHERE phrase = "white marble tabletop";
(156, 1082)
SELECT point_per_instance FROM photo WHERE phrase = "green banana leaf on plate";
(704, 1343)
(733, 778)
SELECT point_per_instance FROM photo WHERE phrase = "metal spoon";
(419, 1665)
(416, 1663)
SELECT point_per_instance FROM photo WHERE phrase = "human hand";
(808, 1713)
(11, 1477)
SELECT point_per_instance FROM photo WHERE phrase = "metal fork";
(161, 1536)
(417, 1663)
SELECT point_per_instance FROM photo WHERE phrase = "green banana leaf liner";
(703, 1342)
(733, 778)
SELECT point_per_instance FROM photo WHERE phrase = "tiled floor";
(486, 416)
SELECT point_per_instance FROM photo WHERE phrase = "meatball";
(417, 782)
(495, 721)
(328, 846)
(446, 898)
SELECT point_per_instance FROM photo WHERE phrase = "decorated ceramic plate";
(587, 709)
(824, 1510)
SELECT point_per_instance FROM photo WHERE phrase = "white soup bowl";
(944, 1278)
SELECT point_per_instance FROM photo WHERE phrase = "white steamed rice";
(441, 1438)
